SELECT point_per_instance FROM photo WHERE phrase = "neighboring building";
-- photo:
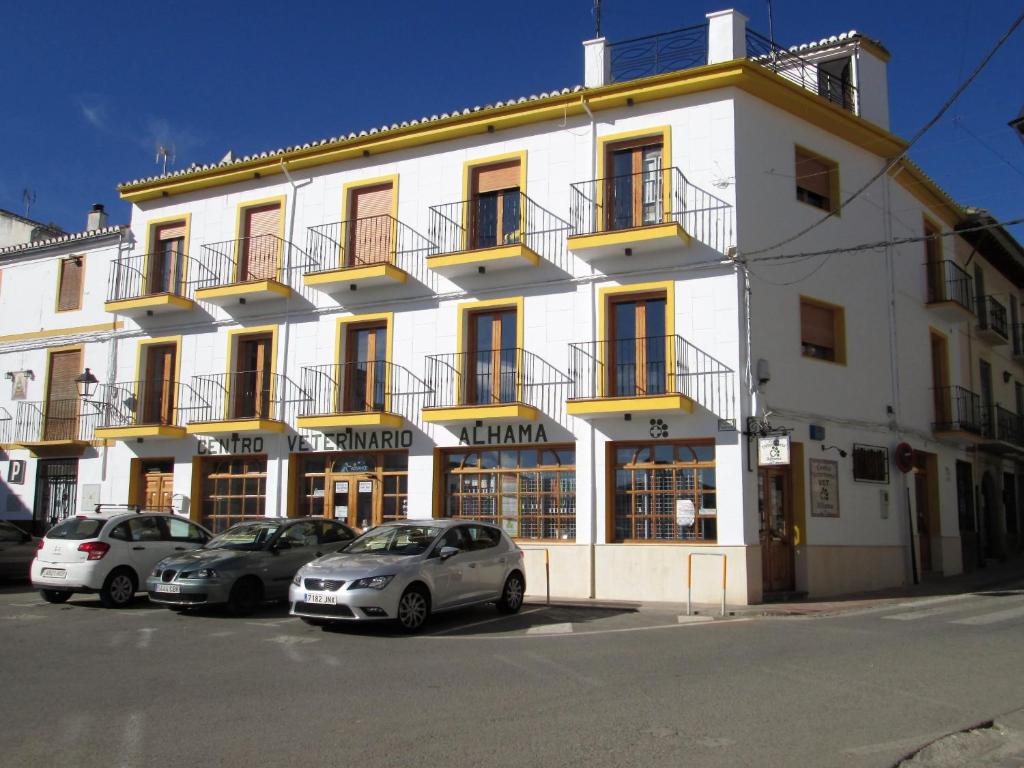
(17, 230)
(556, 313)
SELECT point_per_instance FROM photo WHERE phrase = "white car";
(109, 554)
(407, 570)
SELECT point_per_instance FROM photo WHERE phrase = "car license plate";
(54, 573)
(322, 598)
(173, 589)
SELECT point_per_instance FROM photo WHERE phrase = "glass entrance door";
(354, 499)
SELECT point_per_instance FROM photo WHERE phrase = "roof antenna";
(771, 25)
(597, 19)
(28, 197)
(164, 153)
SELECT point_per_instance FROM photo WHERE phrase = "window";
(251, 388)
(301, 535)
(260, 249)
(365, 375)
(234, 489)
(167, 261)
(636, 354)
(835, 83)
(530, 492)
(664, 492)
(145, 529)
(817, 180)
(370, 229)
(69, 289)
(495, 205)
(362, 489)
(183, 530)
(634, 188)
(822, 334)
(492, 357)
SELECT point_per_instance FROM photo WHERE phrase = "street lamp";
(86, 383)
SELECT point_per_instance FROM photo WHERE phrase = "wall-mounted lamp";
(1006, 377)
(86, 383)
(842, 453)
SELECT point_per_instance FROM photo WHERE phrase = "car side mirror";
(447, 552)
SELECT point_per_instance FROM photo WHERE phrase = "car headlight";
(371, 582)
(156, 572)
(297, 579)
(202, 573)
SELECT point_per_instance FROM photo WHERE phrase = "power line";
(921, 132)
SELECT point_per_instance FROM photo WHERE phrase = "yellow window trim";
(605, 294)
(233, 335)
(839, 317)
(660, 132)
(151, 227)
(346, 195)
(340, 336)
(241, 208)
(834, 186)
(467, 185)
(462, 336)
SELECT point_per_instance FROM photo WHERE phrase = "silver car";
(17, 549)
(249, 564)
(408, 570)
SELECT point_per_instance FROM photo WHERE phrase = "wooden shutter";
(62, 396)
(817, 325)
(370, 240)
(260, 247)
(69, 292)
(814, 175)
(494, 178)
(170, 231)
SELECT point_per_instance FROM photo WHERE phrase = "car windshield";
(249, 536)
(395, 540)
(77, 528)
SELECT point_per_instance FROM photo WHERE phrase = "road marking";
(221, 634)
(131, 742)
(551, 629)
(593, 682)
(925, 613)
(289, 644)
(684, 619)
(588, 632)
(23, 616)
(271, 624)
(26, 605)
(485, 621)
(145, 635)
(992, 618)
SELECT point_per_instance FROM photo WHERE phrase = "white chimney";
(727, 36)
(97, 218)
(597, 64)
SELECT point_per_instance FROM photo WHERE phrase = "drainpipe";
(111, 367)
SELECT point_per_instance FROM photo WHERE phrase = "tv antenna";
(164, 154)
(28, 197)
(597, 19)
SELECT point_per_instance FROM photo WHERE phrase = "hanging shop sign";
(503, 434)
(773, 451)
(824, 488)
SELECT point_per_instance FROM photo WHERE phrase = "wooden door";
(371, 225)
(637, 352)
(492, 358)
(60, 415)
(940, 392)
(157, 389)
(496, 210)
(158, 489)
(364, 378)
(355, 499)
(252, 379)
(634, 189)
(776, 512)
(167, 261)
(260, 246)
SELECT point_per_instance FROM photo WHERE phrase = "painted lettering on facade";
(350, 440)
(499, 434)
(215, 446)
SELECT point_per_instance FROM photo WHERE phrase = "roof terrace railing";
(664, 52)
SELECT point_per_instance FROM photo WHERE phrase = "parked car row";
(403, 571)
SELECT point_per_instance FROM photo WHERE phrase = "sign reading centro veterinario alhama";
(347, 440)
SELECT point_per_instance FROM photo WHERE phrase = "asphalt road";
(553, 686)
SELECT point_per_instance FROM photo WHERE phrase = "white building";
(559, 314)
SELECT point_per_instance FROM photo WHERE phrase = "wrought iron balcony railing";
(652, 365)
(147, 403)
(249, 259)
(357, 387)
(364, 242)
(491, 220)
(808, 75)
(650, 197)
(992, 317)
(1004, 426)
(654, 54)
(244, 395)
(947, 281)
(6, 426)
(55, 420)
(491, 377)
(958, 409)
(152, 274)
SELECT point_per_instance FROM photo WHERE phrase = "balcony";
(244, 402)
(150, 284)
(371, 252)
(357, 394)
(1003, 431)
(495, 234)
(950, 291)
(135, 410)
(247, 270)
(799, 70)
(55, 427)
(6, 427)
(650, 213)
(958, 415)
(651, 375)
(992, 325)
(492, 384)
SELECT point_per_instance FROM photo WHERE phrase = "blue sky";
(91, 88)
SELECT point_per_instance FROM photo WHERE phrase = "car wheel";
(511, 599)
(55, 595)
(246, 596)
(118, 589)
(413, 609)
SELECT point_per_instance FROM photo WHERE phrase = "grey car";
(250, 563)
(17, 549)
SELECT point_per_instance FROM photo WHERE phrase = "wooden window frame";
(346, 388)
(470, 170)
(206, 498)
(635, 147)
(348, 192)
(472, 349)
(152, 243)
(833, 201)
(142, 373)
(640, 350)
(658, 134)
(341, 338)
(464, 329)
(236, 336)
(79, 260)
(240, 228)
(303, 498)
(838, 331)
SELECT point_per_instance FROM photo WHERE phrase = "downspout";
(593, 335)
(111, 366)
